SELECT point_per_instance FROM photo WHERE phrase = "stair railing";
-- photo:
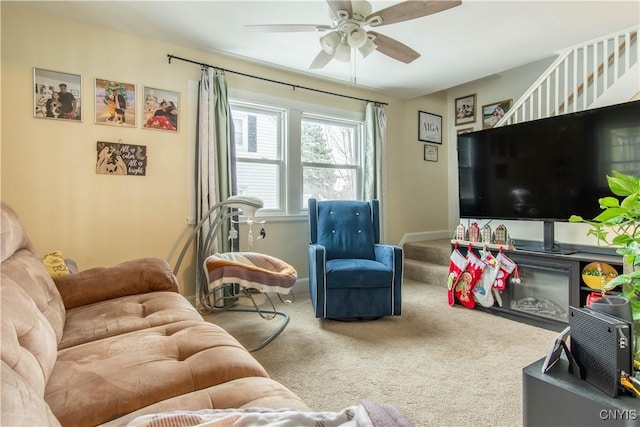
(577, 78)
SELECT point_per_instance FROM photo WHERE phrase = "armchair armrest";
(317, 261)
(388, 254)
(317, 271)
(128, 278)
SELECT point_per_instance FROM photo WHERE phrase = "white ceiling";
(474, 40)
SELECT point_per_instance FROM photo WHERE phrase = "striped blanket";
(250, 270)
(366, 413)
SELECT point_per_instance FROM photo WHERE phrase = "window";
(259, 153)
(330, 159)
(284, 156)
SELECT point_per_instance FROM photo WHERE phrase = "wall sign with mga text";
(429, 127)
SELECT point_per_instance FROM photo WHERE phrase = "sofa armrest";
(138, 276)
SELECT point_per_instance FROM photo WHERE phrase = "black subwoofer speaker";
(601, 345)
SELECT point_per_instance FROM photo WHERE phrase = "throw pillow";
(54, 261)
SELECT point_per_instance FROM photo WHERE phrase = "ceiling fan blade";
(321, 60)
(408, 10)
(394, 48)
(286, 28)
(337, 5)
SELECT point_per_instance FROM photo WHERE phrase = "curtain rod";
(294, 87)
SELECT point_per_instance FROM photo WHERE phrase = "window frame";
(291, 176)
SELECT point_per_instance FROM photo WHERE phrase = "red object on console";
(593, 296)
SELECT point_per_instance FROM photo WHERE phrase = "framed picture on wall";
(491, 113)
(57, 95)
(430, 153)
(429, 127)
(465, 109)
(115, 103)
(160, 109)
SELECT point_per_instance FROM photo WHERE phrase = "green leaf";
(609, 202)
(631, 202)
(576, 218)
(613, 214)
(632, 279)
(622, 184)
(621, 239)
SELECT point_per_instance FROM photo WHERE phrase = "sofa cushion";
(12, 233)
(250, 392)
(125, 314)
(101, 380)
(21, 404)
(133, 277)
(32, 319)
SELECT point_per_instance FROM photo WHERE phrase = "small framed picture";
(465, 130)
(465, 109)
(57, 95)
(430, 153)
(160, 109)
(115, 103)
(116, 158)
(429, 127)
(557, 346)
(491, 113)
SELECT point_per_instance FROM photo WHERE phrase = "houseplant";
(619, 225)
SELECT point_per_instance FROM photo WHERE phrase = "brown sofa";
(105, 345)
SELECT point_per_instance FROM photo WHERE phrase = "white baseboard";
(301, 287)
(425, 235)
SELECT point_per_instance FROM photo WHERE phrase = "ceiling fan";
(346, 31)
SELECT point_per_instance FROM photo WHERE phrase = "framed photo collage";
(59, 96)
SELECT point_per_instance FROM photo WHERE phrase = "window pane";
(328, 183)
(259, 180)
(328, 143)
(259, 132)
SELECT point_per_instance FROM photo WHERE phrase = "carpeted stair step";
(427, 261)
(433, 251)
(426, 272)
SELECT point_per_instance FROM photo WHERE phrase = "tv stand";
(558, 398)
(546, 282)
(548, 245)
(541, 248)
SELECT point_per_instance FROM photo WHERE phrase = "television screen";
(547, 169)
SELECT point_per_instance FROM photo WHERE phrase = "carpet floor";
(440, 365)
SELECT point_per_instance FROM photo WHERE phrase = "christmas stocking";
(482, 290)
(464, 288)
(457, 264)
(506, 268)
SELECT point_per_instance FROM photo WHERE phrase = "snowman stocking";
(482, 290)
(457, 264)
(464, 288)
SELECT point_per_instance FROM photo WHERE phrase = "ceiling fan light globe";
(367, 48)
(330, 42)
(357, 37)
(343, 53)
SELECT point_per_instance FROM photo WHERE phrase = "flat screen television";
(547, 169)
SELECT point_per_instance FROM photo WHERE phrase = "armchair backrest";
(346, 228)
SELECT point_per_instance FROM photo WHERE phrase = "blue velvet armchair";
(352, 275)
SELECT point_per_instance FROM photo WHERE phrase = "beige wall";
(48, 166)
